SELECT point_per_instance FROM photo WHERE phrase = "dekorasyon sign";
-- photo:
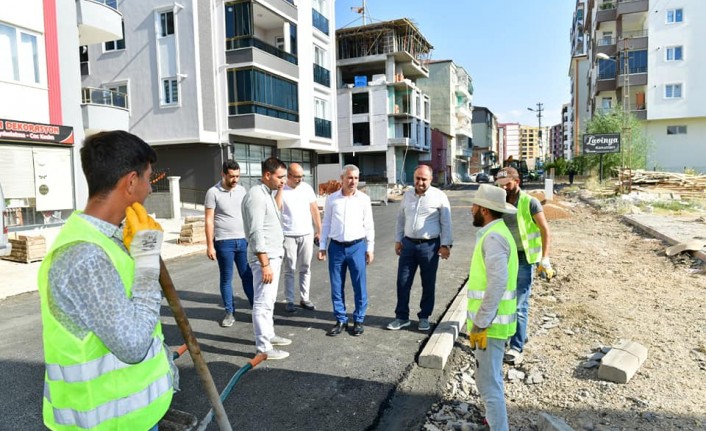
(601, 144)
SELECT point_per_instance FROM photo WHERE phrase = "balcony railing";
(319, 21)
(253, 42)
(322, 128)
(243, 108)
(606, 41)
(103, 96)
(322, 75)
(634, 34)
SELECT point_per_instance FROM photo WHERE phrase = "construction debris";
(678, 184)
(26, 249)
(193, 230)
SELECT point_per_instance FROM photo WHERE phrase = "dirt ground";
(614, 283)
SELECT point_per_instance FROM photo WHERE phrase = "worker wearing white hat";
(492, 304)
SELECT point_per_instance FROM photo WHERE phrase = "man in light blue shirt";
(263, 227)
(423, 234)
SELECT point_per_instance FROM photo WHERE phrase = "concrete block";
(548, 422)
(622, 362)
(441, 343)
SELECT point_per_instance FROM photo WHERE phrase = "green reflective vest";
(505, 322)
(85, 386)
(529, 231)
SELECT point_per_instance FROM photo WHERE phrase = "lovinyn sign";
(601, 144)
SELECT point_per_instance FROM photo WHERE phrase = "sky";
(516, 51)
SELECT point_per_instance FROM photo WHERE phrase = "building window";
(170, 91)
(674, 53)
(116, 45)
(672, 91)
(253, 91)
(361, 103)
(676, 130)
(250, 157)
(305, 158)
(19, 59)
(322, 124)
(83, 59)
(606, 69)
(166, 24)
(637, 62)
(361, 133)
(238, 19)
(321, 74)
(119, 92)
(675, 15)
(319, 15)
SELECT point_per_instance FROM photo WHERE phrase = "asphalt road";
(328, 383)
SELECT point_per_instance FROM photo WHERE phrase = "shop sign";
(38, 133)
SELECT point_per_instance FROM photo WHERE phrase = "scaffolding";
(388, 37)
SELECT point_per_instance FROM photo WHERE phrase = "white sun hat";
(493, 198)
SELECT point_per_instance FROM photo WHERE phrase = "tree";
(634, 146)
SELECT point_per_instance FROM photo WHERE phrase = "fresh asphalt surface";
(328, 383)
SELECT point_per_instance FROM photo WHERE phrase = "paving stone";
(548, 422)
(622, 362)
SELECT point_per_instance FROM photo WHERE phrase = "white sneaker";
(276, 354)
(513, 357)
(280, 341)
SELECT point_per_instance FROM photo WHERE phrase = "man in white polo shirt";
(299, 210)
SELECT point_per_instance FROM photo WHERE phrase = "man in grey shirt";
(225, 236)
(263, 226)
(423, 234)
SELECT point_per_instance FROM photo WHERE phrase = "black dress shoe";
(358, 328)
(337, 329)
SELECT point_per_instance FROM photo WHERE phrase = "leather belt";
(420, 240)
(348, 243)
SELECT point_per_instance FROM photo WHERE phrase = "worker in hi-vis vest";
(530, 229)
(492, 305)
(106, 364)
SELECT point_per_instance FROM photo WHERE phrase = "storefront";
(36, 173)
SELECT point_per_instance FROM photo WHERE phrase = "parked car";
(482, 177)
(5, 246)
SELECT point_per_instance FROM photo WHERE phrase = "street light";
(540, 108)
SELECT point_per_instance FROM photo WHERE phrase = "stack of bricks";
(27, 249)
(193, 230)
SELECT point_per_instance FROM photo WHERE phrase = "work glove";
(479, 340)
(142, 237)
(545, 269)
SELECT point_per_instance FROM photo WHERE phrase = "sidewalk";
(17, 278)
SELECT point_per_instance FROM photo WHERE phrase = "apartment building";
(531, 148)
(579, 66)
(509, 141)
(566, 128)
(205, 81)
(442, 161)
(450, 90)
(485, 140)
(383, 115)
(41, 111)
(556, 141)
(645, 58)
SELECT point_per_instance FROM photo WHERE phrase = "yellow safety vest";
(85, 386)
(505, 322)
(530, 234)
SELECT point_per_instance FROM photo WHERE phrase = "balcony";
(98, 21)
(322, 128)
(632, 6)
(319, 21)
(637, 76)
(104, 109)
(322, 75)
(234, 43)
(606, 12)
(635, 40)
(639, 111)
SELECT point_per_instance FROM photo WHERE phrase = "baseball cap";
(505, 175)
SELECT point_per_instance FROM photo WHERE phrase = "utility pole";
(362, 10)
(627, 127)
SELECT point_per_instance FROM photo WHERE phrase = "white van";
(5, 246)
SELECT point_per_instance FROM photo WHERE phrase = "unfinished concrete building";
(383, 116)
